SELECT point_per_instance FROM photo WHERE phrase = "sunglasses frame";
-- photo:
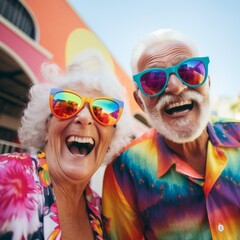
(168, 71)
(54, 91)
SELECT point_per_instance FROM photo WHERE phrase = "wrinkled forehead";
(164, 51)
(167, 47)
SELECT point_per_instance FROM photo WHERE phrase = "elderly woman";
(78, 120)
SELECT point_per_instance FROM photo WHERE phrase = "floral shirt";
(156, 195)
(28, 208)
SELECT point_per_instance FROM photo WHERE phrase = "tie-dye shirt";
(150, 193)
(28, 208)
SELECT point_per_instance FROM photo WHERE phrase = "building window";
(17, 14)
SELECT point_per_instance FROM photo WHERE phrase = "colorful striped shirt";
(150, 193)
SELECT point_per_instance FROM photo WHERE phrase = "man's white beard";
(189, 130)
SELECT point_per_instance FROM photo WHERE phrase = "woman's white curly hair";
(92, 72)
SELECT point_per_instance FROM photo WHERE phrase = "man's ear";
(138, 100)
(209, 80)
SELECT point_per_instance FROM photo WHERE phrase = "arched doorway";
(14, 86)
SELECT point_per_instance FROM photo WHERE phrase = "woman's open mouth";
(80, 146)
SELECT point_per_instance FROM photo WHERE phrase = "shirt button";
(220, 228)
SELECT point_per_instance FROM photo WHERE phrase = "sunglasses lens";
(192, 72)
(153, 82)
(106, 111)
(65, 104)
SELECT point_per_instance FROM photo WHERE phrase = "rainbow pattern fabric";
(150, 193)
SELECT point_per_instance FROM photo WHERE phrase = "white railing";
(9, 147)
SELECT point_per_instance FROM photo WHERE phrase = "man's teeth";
(178, 104)
(80, 139)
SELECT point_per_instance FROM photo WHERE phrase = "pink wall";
(31, 55)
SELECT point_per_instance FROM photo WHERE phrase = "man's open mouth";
(80, 146)
(178, 107)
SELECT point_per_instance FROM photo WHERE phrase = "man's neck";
(193, 153)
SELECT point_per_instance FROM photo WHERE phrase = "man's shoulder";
(227, 131)
(139, 150)
(224, 120)
(226, 123)
(150, 135)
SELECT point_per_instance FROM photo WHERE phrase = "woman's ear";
(47, 124)
(138, 100)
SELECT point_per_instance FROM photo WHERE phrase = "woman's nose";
(84, 117)
(175, 86)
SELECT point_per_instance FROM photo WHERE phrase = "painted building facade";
(31, 33)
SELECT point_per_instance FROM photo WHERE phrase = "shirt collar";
(167, 158)
(225, 134)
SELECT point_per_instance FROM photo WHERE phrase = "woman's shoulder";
(15, 156)
(17, 161)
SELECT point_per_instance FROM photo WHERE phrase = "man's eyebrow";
(179, 59)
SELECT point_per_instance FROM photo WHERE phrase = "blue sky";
(214, 25)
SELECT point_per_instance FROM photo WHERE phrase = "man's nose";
(175, 86)
(84, 117)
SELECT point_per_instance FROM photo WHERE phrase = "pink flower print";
(54, 212)
(54, 217)
(94, 201)
(19, 200)
(18, 160)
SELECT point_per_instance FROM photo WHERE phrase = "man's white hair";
(158, 36)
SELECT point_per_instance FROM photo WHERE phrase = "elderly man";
(180, 180)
